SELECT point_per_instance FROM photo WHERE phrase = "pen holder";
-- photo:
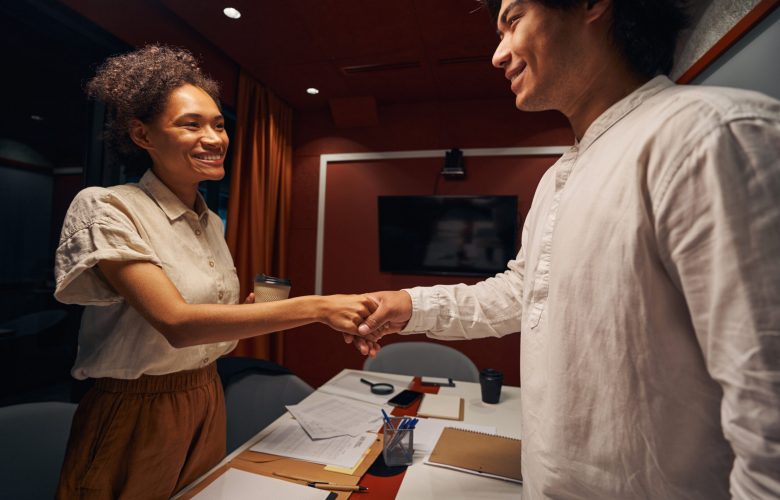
(398, 445)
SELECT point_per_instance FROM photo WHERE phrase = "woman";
(151, 265)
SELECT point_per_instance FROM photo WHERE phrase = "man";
(647, 287)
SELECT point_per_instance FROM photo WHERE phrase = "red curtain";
(260, 192)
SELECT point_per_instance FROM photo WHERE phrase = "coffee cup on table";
(269, 288)
(490, 381)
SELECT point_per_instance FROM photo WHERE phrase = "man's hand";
(394, 309)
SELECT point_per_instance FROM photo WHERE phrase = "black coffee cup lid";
(491, 373)
(262, 278)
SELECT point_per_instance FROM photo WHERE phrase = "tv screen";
(454, 235)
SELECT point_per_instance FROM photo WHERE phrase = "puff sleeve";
(99, 226)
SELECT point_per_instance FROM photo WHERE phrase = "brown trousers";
(145, 438)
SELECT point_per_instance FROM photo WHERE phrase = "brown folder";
(478, 453)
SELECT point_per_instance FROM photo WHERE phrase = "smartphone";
(404, 398)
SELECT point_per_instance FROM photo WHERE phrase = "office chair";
(424, 359)
(33, 437)
(253, 400)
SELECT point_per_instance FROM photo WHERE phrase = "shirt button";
(221, 294)
(205, 361)
(197, 232)
(211, 263)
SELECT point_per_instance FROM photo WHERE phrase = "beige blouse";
(140, 222)
(647, 290)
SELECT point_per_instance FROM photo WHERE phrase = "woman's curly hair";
(136, 85)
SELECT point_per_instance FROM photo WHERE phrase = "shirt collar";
(617, 111)
(169, 202)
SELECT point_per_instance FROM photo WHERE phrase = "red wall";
(351, 255)
(140, 22)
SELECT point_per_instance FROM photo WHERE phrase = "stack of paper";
(290, 440)
(336, 416)
(236, 484)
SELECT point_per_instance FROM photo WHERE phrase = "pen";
(387, 418)
(337, 487)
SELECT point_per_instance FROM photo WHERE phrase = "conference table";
(420, 481)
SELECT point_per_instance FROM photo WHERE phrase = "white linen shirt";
(647, 290)
(140, 222)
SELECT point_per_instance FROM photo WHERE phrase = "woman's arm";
(147, 288)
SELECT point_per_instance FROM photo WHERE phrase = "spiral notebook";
(478, 453)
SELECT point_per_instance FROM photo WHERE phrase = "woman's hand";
(345, 312)
(364, 345)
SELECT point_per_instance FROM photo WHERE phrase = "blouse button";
(197, 232)
(211, 263)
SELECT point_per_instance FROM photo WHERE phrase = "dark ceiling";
(392, 50)
(387, 52)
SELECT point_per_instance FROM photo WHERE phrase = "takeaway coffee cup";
(490, 381)
(268, 288)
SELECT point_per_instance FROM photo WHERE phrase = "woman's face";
(187, 141)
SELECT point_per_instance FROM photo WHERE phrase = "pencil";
(337, 487)
(323, 485)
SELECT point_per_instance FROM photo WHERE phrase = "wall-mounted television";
(452, 235)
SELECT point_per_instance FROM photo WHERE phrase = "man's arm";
(492, 307)
(719, 236)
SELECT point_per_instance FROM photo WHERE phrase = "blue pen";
(387, 419)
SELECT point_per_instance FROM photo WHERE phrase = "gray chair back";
(33, 437)
(255, 400)
(423, 359)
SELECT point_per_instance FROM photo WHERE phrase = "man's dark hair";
(645, 31)
(137, 85)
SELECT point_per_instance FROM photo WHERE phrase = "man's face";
(539, 54)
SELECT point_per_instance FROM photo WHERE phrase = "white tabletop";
(425, 481)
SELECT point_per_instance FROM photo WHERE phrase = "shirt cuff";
(422, 320)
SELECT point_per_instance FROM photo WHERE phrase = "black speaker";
(453, 164)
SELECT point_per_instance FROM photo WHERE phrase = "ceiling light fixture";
(231, 12)
(37, 118)
(312, 91)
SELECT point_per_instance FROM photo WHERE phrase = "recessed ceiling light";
(231, 12)
(312, 91)
(37, 118)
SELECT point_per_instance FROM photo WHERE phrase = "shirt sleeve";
(98, 226)
(719, 234)
(490, 308)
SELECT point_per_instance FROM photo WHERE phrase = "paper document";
(349, 385)
(428, 430)
(237, 484)
(336, 416)
(290, 440)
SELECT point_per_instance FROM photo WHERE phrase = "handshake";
(386, 313)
